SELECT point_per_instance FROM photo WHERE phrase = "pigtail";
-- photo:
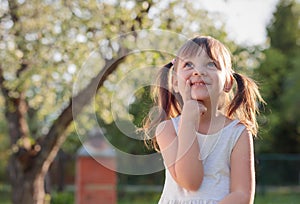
(245, 102)
(165, 105)
(163, 92)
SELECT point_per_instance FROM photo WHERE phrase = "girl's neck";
(212, 121)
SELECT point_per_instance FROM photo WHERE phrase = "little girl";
(204, 134)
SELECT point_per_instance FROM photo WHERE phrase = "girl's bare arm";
(181, 154)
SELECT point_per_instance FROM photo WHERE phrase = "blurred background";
(47, 46)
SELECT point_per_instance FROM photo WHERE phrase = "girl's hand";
(192, 108)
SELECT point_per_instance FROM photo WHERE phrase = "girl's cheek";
(184, 76)
(181, 76)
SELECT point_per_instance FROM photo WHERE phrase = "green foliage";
(284, 30)
(278, 170)
(138, 198)
(141, 107)
(5, 194)
(62, 198)
(280, 87)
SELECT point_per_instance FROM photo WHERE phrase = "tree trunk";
(27, 186)
(29, 164)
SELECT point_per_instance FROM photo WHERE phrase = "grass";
(138, 198)
(277, 198)
(267, 198)
(152, 198)
(4, 197)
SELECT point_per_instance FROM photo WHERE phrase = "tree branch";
(56, 135)
(2, 80)
(23, 68)
(13, 5)
(15, 113)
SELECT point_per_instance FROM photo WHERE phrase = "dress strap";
(235, 122)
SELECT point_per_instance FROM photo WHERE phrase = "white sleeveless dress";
(215, 151)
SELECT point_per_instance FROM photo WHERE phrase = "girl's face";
(207, 81)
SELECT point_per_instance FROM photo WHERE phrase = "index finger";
(187, 90)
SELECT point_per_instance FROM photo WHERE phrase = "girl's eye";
(188, 65)
(211, 65)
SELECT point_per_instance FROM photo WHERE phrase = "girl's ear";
(228, 84)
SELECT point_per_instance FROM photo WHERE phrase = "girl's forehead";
(190, 48)
(195, 54)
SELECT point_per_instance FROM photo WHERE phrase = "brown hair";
(242, 106)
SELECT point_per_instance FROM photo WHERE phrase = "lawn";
(152, 198)
(277, 198)
(268, 198)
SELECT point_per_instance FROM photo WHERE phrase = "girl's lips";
(201, 83)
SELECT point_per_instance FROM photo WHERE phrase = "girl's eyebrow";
(185, 61)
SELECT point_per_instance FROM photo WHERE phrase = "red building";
(96, 179)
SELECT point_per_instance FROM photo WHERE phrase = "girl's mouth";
(198, 83)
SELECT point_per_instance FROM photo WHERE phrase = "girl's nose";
(195, 72)
(199, 71)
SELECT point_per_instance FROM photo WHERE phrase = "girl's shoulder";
(165, 126)
(165, 133)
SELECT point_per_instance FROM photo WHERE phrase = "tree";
(42, 45)
(280, 72)
(33, 53)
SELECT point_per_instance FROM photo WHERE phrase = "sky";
(245, 20)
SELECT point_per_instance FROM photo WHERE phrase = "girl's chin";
(200, 97)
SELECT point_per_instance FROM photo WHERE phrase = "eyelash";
(188, 65)
(214, 64)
